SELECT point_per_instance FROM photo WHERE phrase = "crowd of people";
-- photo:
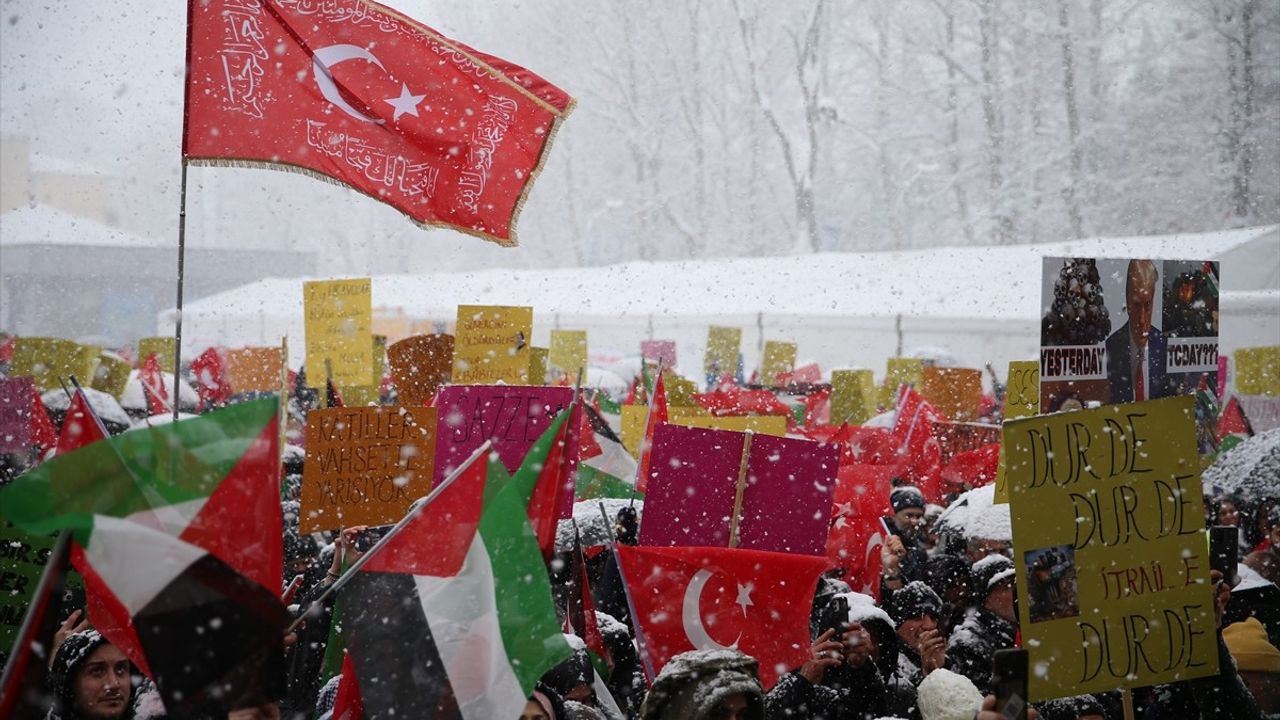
(920, 648)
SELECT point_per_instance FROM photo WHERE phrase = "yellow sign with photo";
(779, 357)
(491, 345)
(568, 352)
(52, 361)
(723, 344)
(338, 319)
(1258, 370)
(1111, 558)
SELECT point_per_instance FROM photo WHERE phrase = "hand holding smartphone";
(1009, 678)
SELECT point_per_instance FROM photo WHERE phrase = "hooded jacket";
(692, 684)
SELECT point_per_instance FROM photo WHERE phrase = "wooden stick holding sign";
(736, 518)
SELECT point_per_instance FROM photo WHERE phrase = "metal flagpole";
(182, 219)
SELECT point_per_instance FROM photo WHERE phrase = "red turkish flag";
(360, 94)
(80, 427)
(917, 446)
(152, 379)
(656, 416)
(703, 598)
(212, 384)
(857, 530)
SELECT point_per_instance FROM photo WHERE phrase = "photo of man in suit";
(1136, 351)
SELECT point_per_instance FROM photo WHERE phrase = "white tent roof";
(984, 282)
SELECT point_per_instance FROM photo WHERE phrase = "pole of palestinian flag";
(182, 219)
(414, 511)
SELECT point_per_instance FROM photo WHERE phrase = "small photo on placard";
(1051, 583)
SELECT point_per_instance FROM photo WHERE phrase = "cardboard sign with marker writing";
(492, 345)
(722, 350)
(370, 394)
(779, 357)
(786, 500)
(1022, 389)
(51, 360)
(568, 352)
(1111, 555)
(365, 465)
(254, 369)
(338, 322)
(955, 392)
(165, 348)
(420, 365)
(663, 351)
(633, 420)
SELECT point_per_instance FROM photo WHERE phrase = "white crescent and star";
(330, 55)
(691, 613)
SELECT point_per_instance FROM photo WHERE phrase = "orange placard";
(955, 392)
(420, 365)
(254, 369)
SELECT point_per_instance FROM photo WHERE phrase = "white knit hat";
(945, 695)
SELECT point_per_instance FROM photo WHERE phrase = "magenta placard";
(1222, 376)
(15, 414)
(663, 351)
(513, 416)
(786, 504)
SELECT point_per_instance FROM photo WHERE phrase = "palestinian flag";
(178, 536)
(469, 645)
(546, 474)
(81, 426)
(605, 468)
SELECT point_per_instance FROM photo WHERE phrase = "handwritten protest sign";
(568, 351)
(22, 560)
(164, 348)
(50, 361)
(852, 393)
(785, 489)
(365, 465)
(1022, 389)
(1258, 370)
(492, 345)
(1112, 561)
(254, 369)
(539, 361)
(723, 345)
(775, 425)
(513, 417)
(955, 392)
(420, 365)
(1123, 329)
(655, 351)
(112, 374)
(779, 357)
(16, 396)
(338, 322)
(370, 394)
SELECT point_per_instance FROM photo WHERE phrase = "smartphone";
(1224, 541)
(1009, 678)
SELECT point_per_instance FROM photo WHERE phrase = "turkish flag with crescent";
(708, 598)
(360, 94)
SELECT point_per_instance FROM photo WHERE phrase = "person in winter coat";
(1258, 662)
(990, 625)
(90, 679)
(923, 648)
(852, 664)
(706, 685)
(543, 704)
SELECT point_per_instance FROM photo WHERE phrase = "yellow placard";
(633, 419)
(111, 375)
(338, 322)
(852, 393)
(1022, 393)
(370, 394)
(900, 371)
(1111, 555)
(680, 391)
(492, 345)
(955, 392)
(722, 350)
(52, 361)
(1258, 370)
(764, 424)
(254, 369)
(538, 365)
(779, 357)
(165, 348)
(568, 352)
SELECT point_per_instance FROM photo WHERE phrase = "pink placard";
(786, 504)
(663, 351)
(15, 414)
(1222, 376)
(513, 416)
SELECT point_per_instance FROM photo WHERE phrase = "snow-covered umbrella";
(1250, 469)
(106, 406)
(592, 529)
(975, 516)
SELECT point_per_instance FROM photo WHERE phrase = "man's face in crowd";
(909, 521)
(909, 630)
(733, 707)
(1139, 299)
(102, 686)
(1000, 601)
(978, 549)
